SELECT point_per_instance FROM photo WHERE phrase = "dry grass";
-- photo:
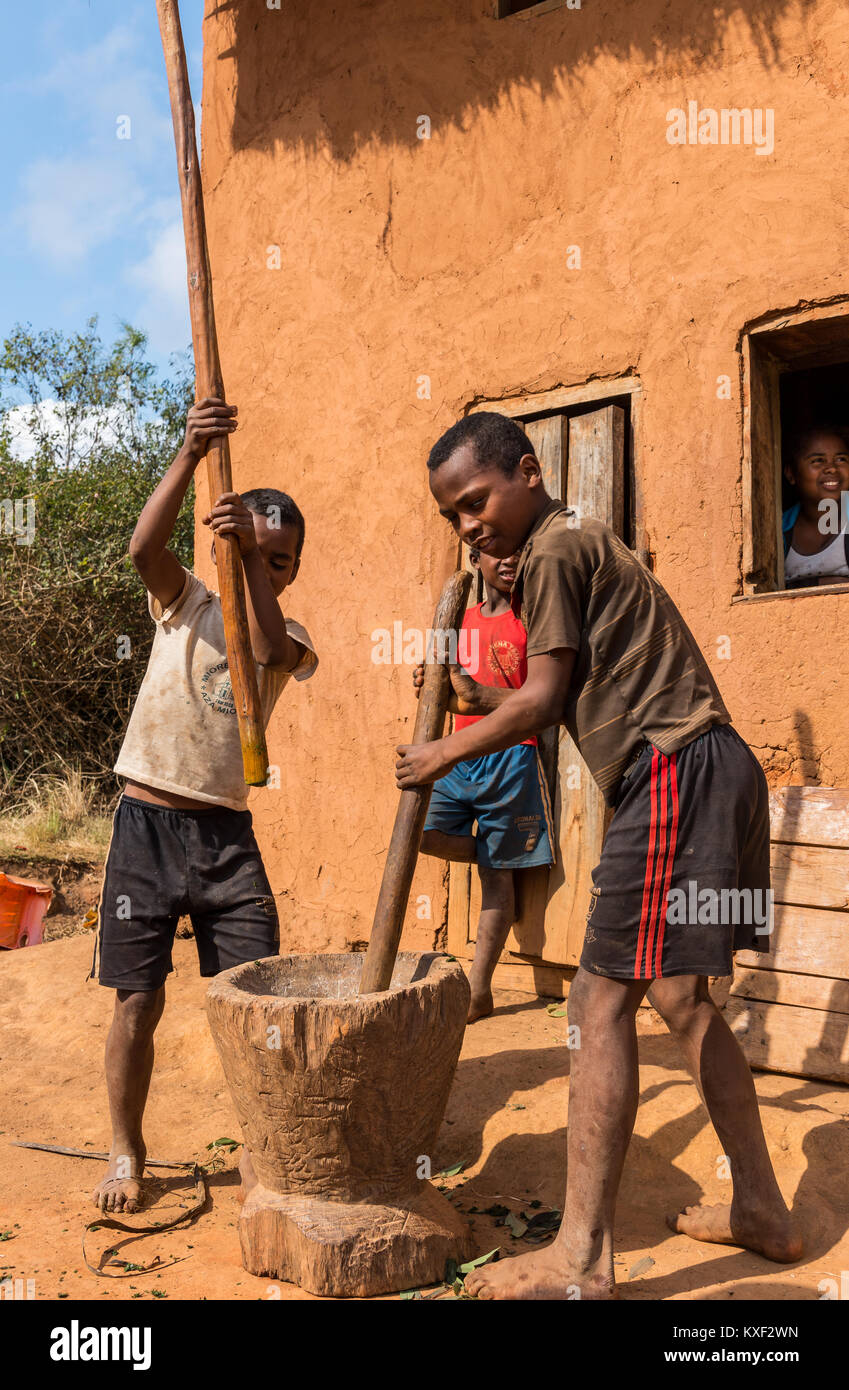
(57, 816)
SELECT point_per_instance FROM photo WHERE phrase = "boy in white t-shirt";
(182, 839)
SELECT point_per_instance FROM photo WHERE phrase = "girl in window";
(816, 537)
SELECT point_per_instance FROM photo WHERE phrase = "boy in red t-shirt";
(506, 792)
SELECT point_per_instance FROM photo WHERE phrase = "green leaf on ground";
(481, 1260)
(640, 1267)
(515, 1225)
(453, 1170)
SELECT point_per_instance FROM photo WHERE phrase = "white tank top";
(830, 562)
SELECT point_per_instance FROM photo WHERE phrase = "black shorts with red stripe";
(683, 881)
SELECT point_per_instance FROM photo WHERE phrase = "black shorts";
(683, 881)
(163, 864)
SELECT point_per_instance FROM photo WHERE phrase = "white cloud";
(72, 206)
(109, 198)
(96, 85)
(163, 311)
(71, 440)
(163, 271)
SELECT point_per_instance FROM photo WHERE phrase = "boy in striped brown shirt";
(610, 656)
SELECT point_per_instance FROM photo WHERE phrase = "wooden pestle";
(414, 801)
(208, 382)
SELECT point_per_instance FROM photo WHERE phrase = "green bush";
(69, 598)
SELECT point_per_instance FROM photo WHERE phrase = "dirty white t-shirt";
(183, 735)
(830, 562)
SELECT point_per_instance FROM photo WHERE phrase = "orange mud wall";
(447, 258)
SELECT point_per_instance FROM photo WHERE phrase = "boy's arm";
(270, 642)
(157, 566)
(467, 696)
(519, 713)
(272, 645)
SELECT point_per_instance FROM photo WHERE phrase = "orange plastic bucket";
(23, 903)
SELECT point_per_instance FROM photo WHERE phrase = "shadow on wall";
(313, 75)
(806, 756)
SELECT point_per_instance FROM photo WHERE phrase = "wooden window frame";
(502, 11)
(598, 392)
(769, 347)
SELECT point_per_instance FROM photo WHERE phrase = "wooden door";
(582, 461)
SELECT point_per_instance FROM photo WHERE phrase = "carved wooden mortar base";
(351, 1250)
(340, 1098)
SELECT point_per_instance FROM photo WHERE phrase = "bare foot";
(775, 1237)
(544, 1274)
(121, 1189)
(481, 1006)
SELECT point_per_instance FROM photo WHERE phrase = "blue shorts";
(507, 794)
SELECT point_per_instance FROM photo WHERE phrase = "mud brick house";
(623, 224)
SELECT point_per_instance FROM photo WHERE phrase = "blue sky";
(90, 223)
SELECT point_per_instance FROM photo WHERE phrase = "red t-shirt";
(500, 645)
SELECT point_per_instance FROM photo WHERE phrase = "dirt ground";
(505, 1123)
(76, 885)
(76, 889)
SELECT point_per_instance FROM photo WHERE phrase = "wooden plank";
(595, 488)
(788, 595)
(459, 889)
(533, 889)
(782, 987)
(763, 556)
(807, 941)
(639, 535)
(534, 978)
(563, 397)
(786, 1038)
(798, 333)
(583, 821)
(504, 10)
(550, 440)
(596, 466)
(810, 816)
(475, 900)
(810, 876)
(748, 353)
